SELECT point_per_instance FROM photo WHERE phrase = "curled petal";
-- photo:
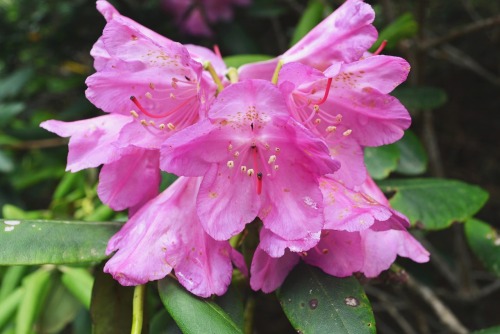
(268, 273)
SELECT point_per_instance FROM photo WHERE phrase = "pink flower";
(196, 16)
(348, 105)
(360, 235)
(255, 161)
(165, 235)
(342, 37)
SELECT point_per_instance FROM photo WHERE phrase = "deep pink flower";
(194, 17)
(255, 161)
(360, 235)
(166, 234)
(341, 37)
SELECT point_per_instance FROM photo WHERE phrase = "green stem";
(248, 315)
(138, 309)
(209, 67)
(277, 72)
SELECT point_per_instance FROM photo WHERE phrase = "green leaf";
(59, 309)
(311, 17)
(381, 161)
(9, 305)
(413, 158)
(232, 303)
(315, 302)
(491, 330)
(79, 282)
(239, 60)
(111, 306)
(421, 98)
(58, 242)
(9, 110)
(6, 163)
(36, 287)
(162, 323)
(484, 240)
(403, 27)
(192, 314)
(436, 203)
(11, 280)
(13, 84)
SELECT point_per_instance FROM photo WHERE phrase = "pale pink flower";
(341, 37)
(360, 235)
(165, 235)
(195, 17)
(255, 161)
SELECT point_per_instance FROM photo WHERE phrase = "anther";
(236, 154)
(243, 169)
(229, 147)
(143, 122)
(250, 172)
(347, 132)
(230, 164)
(171, 126)
(152, 85)
(272, 159)
(277, 149)
(317, 121)
(316, 108)
(134, 113)
(152, 123)
(149, 95)
(162, 126)
(338, 118)
(331, 129)
(276, 167)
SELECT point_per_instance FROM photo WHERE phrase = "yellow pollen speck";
(347, 132)
(151, 85)
(213, 194)
(331, 128)
(338, 118)
(152, 123)
(316, 108)
(134, 113)
(243, 169)
(162, 126)
(230, 164)
(250, 172)
(276, 167)
(149, 95)
(272, 159)
(143, 122)
(236, 154)
(317, 120)
(171, 126)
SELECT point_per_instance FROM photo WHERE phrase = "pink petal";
(92, 140)
(275, 246)
(122, 183)
(352, 171)
(268, 273)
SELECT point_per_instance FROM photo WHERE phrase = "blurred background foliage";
(452, 93)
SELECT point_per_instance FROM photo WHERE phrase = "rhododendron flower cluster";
(280, 147)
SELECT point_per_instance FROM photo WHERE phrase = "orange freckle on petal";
(213, 195)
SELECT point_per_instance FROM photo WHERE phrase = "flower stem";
(138, 309)
(248, 315)
(209, 67)
(277, 70)
(232, 74)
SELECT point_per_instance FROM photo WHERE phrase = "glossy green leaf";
(484, 240)
(239, 60)
(315, 302)
(403, 27)
(79, 282)
(192, 314)
(421, 98)
(232, 303)
(58, 242)
(11, 280)
(435, 203)
(162, 323)
(9, 110)
(311, 17)
(10, 304)
(14, 83)
(111, 306)
(36, 287)
(59, 310)
(381, 161)
(413, 158)
(6, 164)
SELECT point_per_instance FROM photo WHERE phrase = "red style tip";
(380, 48)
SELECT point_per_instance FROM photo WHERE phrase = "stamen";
(162, 126)
(243, 169)
(347, 132)
(230, 164)
(152, 123)
(236, 154)
(327, 91)
(276, 167)
(317, 121)
(168, 113)
(149, 95)
(229, 147)
(272, 159)
(331, 129)
(143, 122)
(250, 172)
(134, 113)
(259, 183)
(171, 126)
(380, 48)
